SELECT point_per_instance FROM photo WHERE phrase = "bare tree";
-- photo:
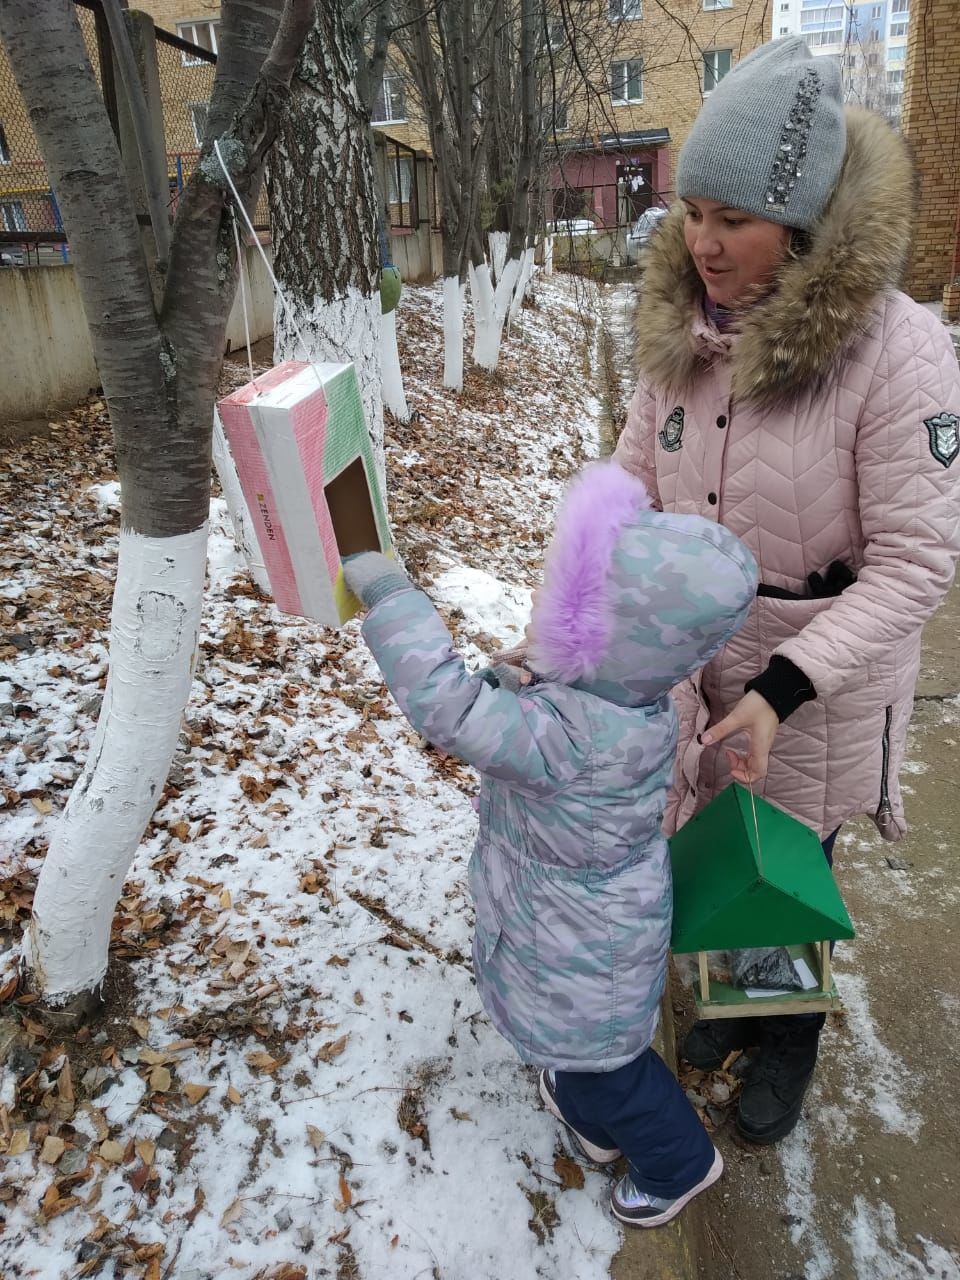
(158, 363)
(322, 194)
(515, 142)
(445, 49)
(369, 28)
(864, 66)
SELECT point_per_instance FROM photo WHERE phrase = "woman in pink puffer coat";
(787, 390)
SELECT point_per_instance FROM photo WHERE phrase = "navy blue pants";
(641, 1109)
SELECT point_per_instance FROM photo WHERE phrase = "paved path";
(868, 1186)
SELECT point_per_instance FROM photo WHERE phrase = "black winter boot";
(708, 1043)
(778, 1077)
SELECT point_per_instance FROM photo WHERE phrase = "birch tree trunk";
(369, 31)
(510, 277)
(394, 397)
(159, 372)
(444, 56)
(322, 192)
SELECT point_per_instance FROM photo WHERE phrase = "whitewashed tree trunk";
(153, 646)
(244, 533)
(519, 293)
(482, 298)
(548, 256)
(323, 205)
(499, 240)
(489, 334)
(393, 394)
(341, 329)
(453, 298)
(159, 367)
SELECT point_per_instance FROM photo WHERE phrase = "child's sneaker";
(599, 1155)
(638, 1209)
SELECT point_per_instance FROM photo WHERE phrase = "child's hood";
(634, 600)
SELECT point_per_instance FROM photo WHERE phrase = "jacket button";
(712, 499)
(722, 420)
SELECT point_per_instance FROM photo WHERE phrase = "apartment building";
(869, 39)
(649, 67)
(27, 204)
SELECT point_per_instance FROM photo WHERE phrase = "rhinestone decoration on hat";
(792, 147)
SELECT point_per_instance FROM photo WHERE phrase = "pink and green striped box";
(302, 451)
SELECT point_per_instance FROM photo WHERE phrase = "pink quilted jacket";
(827, 429)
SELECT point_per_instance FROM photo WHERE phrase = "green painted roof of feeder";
(732, 890)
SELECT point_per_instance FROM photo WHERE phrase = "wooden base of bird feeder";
(721, 1000)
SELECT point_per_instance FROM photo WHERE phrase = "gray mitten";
(372, 576)
(502, 676)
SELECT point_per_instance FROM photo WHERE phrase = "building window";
(4, 146)
(900, 6)
(817, 17)
(897, 55)
(785, 7)
(198, 115)
(12, 215)
(626, 81)
(717, 4)
(624, 10)
(898, 29)
(784, 31)
(895, 77)
(554, 119)
(556, 34)
(399, 180)
(203, 34)
(390, 106)
(716, 64)
(817, 38)
(876, 11)
(571, 204)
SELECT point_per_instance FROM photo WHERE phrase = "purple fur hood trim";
(573, 618)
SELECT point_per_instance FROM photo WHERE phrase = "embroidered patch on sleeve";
(671, 434)
(944, 437)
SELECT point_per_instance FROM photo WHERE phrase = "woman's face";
(735, 253)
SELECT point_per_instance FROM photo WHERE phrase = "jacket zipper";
(885, 809)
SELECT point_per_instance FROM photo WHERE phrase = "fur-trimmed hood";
(634, 600)
(822, 300)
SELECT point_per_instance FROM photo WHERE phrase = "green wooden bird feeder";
(746, 874)
(391, 284)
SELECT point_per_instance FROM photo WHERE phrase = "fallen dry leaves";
(187, 917)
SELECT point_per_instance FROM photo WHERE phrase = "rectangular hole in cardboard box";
(351, 512)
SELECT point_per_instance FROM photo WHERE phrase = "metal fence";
(186, 85)
(31, 229)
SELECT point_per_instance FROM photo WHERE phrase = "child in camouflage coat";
(570, 876)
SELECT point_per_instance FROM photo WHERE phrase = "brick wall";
(671, 41)
(167, 13)
(931, 123)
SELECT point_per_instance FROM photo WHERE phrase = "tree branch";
(201, 218)
(152, 166)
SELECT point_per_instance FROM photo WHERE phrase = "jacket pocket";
(780, 620)
(487, 926)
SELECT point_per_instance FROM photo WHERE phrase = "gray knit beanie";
(771, 137)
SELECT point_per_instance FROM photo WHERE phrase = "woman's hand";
(754, 716)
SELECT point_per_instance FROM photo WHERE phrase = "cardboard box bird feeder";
(302, 451)
(746, 874)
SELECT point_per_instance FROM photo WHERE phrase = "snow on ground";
(293, 1076)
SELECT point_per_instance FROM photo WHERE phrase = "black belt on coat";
(820, 586)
